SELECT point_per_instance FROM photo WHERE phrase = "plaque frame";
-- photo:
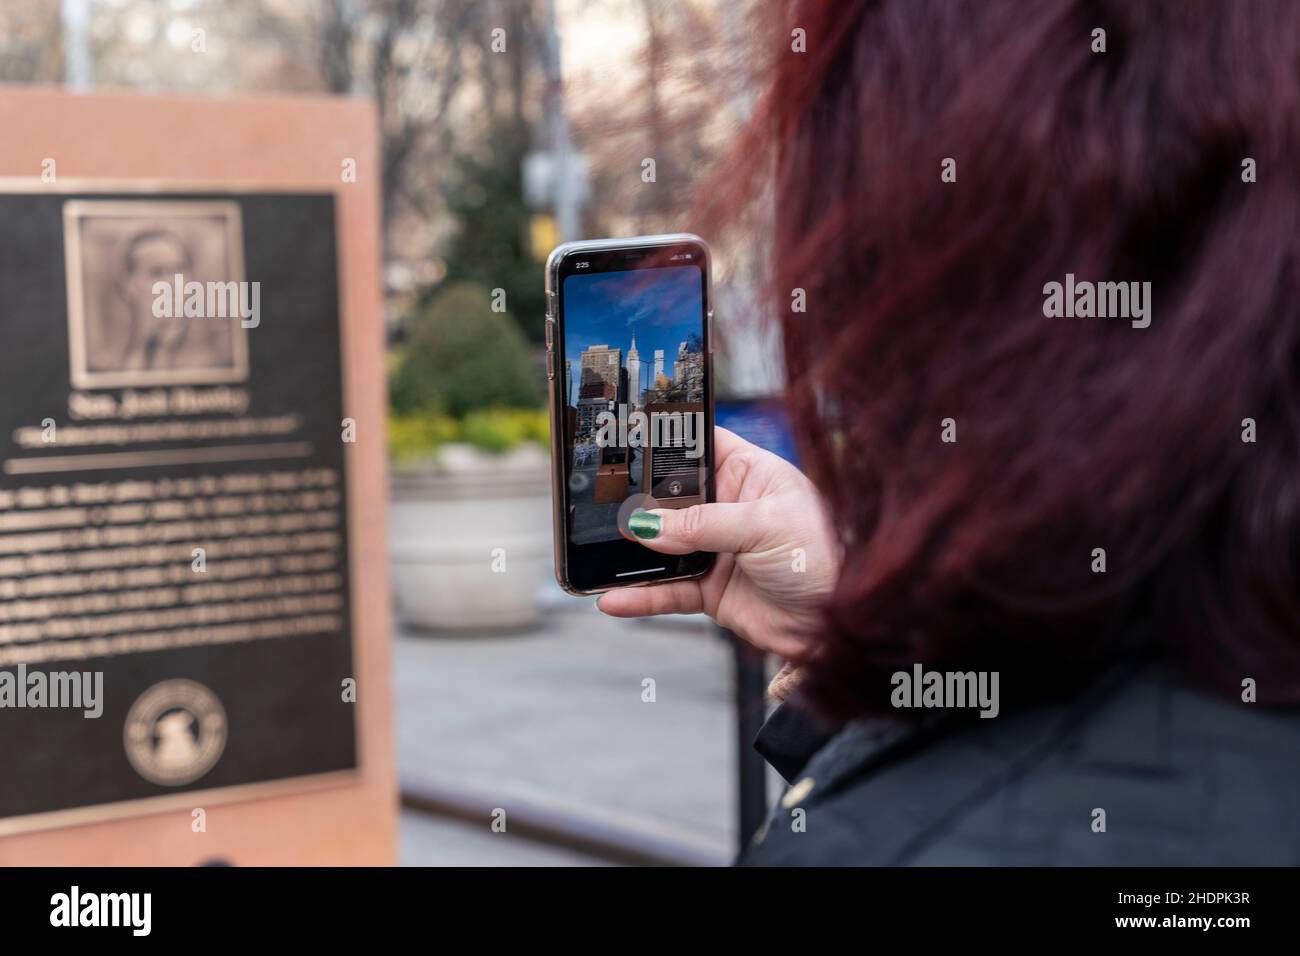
(230, 146)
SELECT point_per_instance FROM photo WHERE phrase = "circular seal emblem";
(175, 732)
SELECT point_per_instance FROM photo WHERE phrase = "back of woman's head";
(1020, 489)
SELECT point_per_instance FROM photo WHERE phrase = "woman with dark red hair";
(1040, 593)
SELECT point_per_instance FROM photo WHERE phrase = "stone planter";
(471, 539)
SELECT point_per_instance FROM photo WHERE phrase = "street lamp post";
(78, 63)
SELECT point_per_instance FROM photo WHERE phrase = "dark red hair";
(925, 303)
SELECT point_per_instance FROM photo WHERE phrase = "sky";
(662, 306)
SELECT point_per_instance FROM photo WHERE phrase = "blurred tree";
(679, 103)
(409, 55)
(455, 83)
(29, 42)
(485, 195)
(461, 356)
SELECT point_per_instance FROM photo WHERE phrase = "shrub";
(413, 438)
(463, 357)
(501, 429)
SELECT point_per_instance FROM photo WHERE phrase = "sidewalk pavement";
(428, 840)
(554, 719)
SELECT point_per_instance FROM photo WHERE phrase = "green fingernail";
(644, 525)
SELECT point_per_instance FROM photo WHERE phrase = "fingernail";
(644, 525)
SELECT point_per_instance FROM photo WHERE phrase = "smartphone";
(629, 367)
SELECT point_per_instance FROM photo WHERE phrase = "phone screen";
(633, 381)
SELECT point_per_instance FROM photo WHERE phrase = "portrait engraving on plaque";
(124, 328)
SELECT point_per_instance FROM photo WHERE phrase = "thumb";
(729, 528)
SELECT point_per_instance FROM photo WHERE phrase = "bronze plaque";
(175, 599)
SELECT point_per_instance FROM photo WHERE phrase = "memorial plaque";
(180, 488)
(172, 494)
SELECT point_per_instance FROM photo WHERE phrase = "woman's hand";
(777, 558)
